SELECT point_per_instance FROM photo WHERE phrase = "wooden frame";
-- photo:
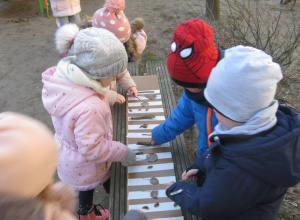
(118, 186)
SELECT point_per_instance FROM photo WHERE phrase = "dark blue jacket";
(244, 177)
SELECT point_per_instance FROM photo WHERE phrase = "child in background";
(66, 11)
(192, 57)
(137, 41)
(28, 161)
(111, 17)
(74, 95)
(254, 156)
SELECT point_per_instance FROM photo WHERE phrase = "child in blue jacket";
(192, 57)
(255, 151)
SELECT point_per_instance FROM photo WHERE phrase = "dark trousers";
(86, 198)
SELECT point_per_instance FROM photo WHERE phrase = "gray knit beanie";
(98, 52)
(243, 83)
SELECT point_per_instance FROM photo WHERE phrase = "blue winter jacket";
(245, 177)
(185, 115)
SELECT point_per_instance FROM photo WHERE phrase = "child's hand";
(152, 141)
(120, 99)
(132, 91)
(170, 184)
(190, 175)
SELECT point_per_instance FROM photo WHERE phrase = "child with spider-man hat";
(192, 57)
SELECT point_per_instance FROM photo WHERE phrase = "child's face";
(226, 121)
(106, 81)
(194, 90)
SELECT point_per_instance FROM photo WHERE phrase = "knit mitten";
(134, 214)
(130, 159)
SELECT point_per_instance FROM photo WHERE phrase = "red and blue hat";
(193, 54)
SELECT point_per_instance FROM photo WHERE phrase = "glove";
(130, 159)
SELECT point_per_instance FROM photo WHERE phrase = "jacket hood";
(61, 95)
(273, 156)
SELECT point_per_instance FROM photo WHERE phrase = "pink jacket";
(63, 8)
(83, 131)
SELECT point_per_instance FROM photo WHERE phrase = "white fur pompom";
(65, 36)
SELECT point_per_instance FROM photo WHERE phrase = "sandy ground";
(27, 47)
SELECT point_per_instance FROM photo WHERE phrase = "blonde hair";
(86, 22)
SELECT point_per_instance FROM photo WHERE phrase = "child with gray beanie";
(254, 156)
(74, 94)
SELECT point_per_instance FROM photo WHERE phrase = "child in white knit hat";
(74, 93)
(254, 156)
(28, 161)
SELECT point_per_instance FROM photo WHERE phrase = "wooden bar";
(118, 191)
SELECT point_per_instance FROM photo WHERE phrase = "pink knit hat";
(112, 18)
(28, 155)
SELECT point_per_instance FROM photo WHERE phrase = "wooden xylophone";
(154, 169)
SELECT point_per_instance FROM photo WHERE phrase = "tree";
(213, 9)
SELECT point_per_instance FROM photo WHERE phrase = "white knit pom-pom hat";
(96, 51)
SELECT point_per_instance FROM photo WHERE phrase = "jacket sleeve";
(181, 119)
(125, 81)
(111, 97)
(225, 193)
(91, 137)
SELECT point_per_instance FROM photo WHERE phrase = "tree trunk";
(213, 9)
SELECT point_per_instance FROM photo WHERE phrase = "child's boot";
(95, 214)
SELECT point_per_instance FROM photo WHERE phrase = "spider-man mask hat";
(193, 54)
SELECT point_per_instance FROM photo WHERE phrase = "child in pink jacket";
(74, 94)
(27, 165)
(66, 11)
